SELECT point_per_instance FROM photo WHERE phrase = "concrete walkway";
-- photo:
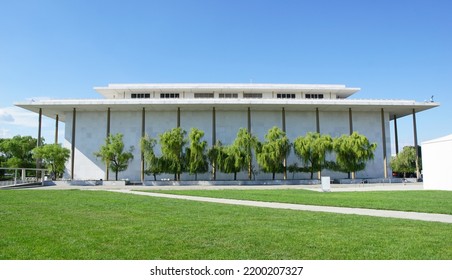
(443, 218)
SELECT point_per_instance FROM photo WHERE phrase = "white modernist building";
(220, 110)
(436, 155)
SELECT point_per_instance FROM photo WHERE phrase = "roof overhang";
(398, 108)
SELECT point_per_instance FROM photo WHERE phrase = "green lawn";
(102, 225)
(417, 201)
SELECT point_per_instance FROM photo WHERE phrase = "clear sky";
(390, 49)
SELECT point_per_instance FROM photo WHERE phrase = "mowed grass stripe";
(104, 225)
(415, 201)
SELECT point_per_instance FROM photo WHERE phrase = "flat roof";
(116, 89)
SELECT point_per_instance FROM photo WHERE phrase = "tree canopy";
(153, 163)
(113, 155)
(352, 152)
(273, 151)
(405, 161)
(243, 147)
(196, 153)
(54, 157)
(17, 151)
(172, 145)
(312, 150)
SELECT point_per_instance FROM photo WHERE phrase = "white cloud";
(5, 116)
(18, 117)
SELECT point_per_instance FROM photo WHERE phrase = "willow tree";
(273, 152)
(153, 164)
(113, 155)
(196, 153)
(214, 154)
(230, 160)
(312, 149)
(353, 152)
(405, 161)
(172, 144)
(243, 145)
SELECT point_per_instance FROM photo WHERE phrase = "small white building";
(437, 165)
(220, 110)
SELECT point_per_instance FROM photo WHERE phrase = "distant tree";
(352, 152)
(172, 144)
(243, 145)
(113, 155)
(196, 153)
(54, 157)
(152, 162)
(312, 150)
(17, 151)
(405, 161)
(274, 151)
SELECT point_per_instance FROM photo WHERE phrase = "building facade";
(220, 110)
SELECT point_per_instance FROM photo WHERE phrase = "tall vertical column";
(56, 128)
(350, 120)
(178, 117)
(317, 120)
(107, 166)
(396, 135)
(383, 139)
(39, 142)
(283, 118)
(143, 131)
(39, 127)
(317, 124)
(214, 140)
(249, 131)
(418, 174)
(249, 119)
(74, 115)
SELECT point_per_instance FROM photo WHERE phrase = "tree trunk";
(155, 177)
(235, 176)
(273, 176)
(116, 175)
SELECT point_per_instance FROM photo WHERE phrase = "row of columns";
(283, 123)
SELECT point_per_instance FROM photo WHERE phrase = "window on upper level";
(169, 95)
(228, 95)
(203, 95)
(286, 95)
(314, 96)
(141, 95)
(252, 95)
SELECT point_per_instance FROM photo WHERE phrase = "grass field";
(102, 225)
(417, 201)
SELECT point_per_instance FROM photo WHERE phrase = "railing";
(19, 176)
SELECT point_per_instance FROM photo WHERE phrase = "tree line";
(181, 153)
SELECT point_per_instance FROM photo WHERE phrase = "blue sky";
(390, 49)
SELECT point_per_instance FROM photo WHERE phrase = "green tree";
(352, 152)
(172, 144)
(17, 151)
(196, 153)
(274, 151)
(243, 146)
(312, 150)
(113, 155)
(54, 157)
(214, 157)
(153, 162)
(405, 161)
(230, 160)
